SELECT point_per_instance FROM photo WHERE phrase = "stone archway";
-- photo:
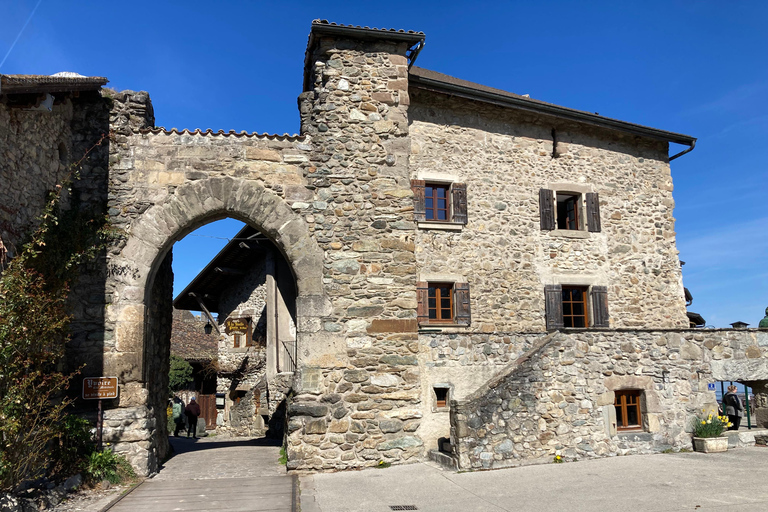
(138, 266)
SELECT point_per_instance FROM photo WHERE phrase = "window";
(443, 303)
(628, 415)
(567, 306)
(575, 306)
(440, 302)
(570, 211)
(439, 202)
(441, 397)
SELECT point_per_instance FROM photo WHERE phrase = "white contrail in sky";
(20, 32)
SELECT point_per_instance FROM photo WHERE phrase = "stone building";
(469, 264)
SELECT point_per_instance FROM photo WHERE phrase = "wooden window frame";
(569, 318)
(434, 210)
(458, 294)
(622, 400)
(455, 202)
(567, 223)
(586, 211)
(448, 289)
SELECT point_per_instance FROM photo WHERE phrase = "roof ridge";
(319, 22)
(210, 132)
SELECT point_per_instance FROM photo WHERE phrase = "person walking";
(193, 412)
(177, 415)
(733, 407)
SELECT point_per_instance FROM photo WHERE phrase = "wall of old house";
(242, 370)
(558, 398)
(504, 157)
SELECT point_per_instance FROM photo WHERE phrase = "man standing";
(193, 412)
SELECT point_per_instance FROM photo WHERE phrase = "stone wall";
(242, 370)
(360, 404)
(558, 397)
(505, 156)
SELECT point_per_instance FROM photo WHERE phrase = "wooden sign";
(99, 388)
(237, 325)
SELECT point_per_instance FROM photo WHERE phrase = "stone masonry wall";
(360, 406)
(505, 156)
(244, 368)
(558, 398)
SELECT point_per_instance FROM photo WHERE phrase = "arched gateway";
(140, 270)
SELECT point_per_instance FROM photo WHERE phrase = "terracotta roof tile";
(230, 133)
(188, 338)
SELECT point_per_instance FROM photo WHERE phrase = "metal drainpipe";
(746, 398)
(693, 145)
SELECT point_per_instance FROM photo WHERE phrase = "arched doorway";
(139, 353)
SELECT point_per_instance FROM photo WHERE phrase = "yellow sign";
(99, 387)
(237, 325)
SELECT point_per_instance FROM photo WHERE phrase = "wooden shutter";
(599, 306)
(461, 303)
(422, 302)
(553, 295)
(419, 207)
(593, 212)
(547, 209)
(459, 199)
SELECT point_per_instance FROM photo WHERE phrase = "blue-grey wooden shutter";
(593, 212)
(599, 306)
(553, 299)
(547, 209)
(461, 303)
(419, 204)
(459, 199)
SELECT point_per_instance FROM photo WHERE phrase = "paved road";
(732, 481)
(215, 474)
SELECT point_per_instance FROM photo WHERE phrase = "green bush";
(109, 466)
(73, 446)
(180, 375)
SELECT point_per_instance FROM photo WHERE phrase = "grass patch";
(283, 456)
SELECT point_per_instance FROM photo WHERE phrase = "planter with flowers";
(708, 433)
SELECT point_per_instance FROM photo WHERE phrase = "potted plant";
(708, 433)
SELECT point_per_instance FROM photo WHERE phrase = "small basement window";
(441, 397)
(628, 414)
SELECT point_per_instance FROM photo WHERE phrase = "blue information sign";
(711, 386)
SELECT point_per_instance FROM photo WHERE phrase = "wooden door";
(208, 410)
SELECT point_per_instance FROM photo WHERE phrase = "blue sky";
(698, 68)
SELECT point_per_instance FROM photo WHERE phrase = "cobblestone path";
(215, 474)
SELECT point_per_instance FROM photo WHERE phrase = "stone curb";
(116, 500)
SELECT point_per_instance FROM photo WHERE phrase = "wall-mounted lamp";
(208, 328)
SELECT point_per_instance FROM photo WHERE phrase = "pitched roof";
(188, 338)
(224, 271)
(438, 82)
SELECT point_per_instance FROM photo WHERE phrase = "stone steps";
(746, 438)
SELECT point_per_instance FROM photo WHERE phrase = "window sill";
(444, 226)
(570, 233)
(440, 327)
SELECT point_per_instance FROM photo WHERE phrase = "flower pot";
(710, 444)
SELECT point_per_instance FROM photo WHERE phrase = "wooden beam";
(207, 313)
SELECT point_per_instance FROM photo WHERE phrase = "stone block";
(262, 154)
(393, 325)
(316, 427)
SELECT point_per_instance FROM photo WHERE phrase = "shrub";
(108, 466)
(710, 425)
(180, 374)
(73, 446)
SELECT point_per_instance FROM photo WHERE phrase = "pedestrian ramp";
(261, 494)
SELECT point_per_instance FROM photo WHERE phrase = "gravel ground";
(90, 500)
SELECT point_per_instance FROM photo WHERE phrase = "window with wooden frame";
(241, 331)
(568, 306)
(628, 412)
(439, 202)
(569, 211)
(441, 397)
(443, 303)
